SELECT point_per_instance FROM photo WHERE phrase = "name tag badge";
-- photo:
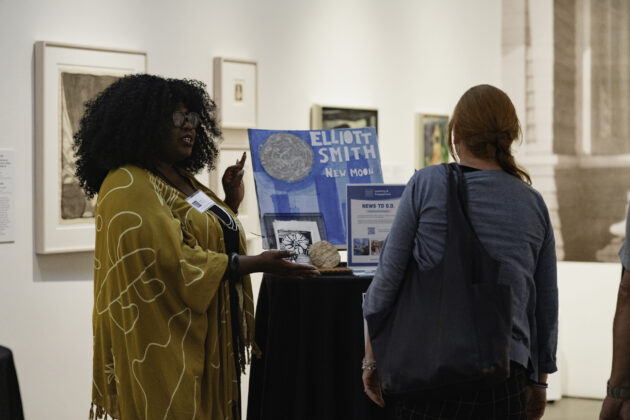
(200, 201)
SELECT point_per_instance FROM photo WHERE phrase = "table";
(10, 401)
(311, 334)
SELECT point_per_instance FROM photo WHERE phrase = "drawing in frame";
(296, 237)
(324, 117)
(236, 92)
(66, 77)
(431, 140)
(275, 222)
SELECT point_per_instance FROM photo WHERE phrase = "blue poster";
(371, 212)
(304, 173)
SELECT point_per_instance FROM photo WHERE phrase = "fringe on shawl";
(245, 354)
(98, 413)
(247, 346)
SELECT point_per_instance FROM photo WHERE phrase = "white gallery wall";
(400, 56)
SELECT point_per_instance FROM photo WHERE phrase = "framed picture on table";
(236, 92)
(293, 232)
(66, 77)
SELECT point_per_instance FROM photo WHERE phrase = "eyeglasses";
(180, 118)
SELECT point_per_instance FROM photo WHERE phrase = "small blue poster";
(302, 175)
(371, 212)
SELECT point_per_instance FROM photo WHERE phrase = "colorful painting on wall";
(432, 140)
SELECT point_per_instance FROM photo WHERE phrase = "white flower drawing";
(296, 242)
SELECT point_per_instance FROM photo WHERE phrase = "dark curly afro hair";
(131, 119)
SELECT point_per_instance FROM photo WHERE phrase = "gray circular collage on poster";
(286, 157)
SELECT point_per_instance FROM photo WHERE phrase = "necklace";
(224, 217)
(230, 224)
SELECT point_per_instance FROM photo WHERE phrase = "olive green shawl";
(162, 332)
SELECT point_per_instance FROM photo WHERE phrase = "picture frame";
(235, 86)
(296, 237)
(66, 76)
(271, 226)
(326, 117)
(431, 144)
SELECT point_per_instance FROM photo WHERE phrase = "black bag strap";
(462, 192)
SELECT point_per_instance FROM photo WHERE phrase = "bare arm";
(274, 262)
(537, 399)
(371, 380)
(620, 375)
(547, 324)
(369, 353)
(614, 408)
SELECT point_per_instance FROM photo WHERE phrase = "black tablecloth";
(311, 335)
(10, 402)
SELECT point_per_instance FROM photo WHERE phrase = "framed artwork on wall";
(325, 117)
(66, 77)
(236, 92)
(431, 140)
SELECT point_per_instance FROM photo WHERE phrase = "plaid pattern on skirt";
(504, 401)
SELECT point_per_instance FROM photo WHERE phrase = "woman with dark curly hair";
(173, 309)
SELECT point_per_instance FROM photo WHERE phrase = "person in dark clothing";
(512, 223)
(616, 406)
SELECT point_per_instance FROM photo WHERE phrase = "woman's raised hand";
(233, 184)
